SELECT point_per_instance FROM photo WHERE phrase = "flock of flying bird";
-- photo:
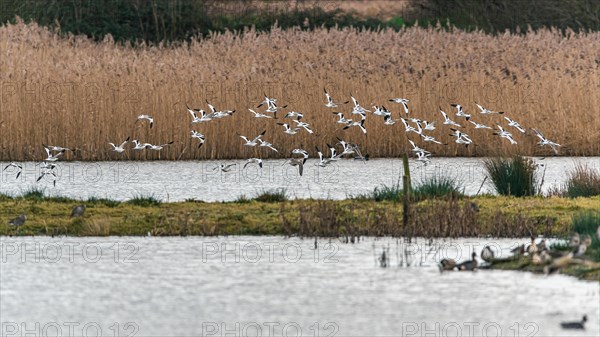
(419, 127)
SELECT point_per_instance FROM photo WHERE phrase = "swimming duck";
(580, 250)
(575, 325)
(532, 248)
(574, 242)
(469, 264)
(487, 254)
(447, 264)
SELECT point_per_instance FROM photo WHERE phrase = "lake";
(273, 286)
(172, 181)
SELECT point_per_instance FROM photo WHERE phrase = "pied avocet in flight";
(360, 124)
(461, 138)
(479, 126)
(322, 160)
(460, 112)
(146, 117)
(545, 141)
(416, 148)
(448, 121)
(402, 101)
(515, 124)
(138, 145)
(259, 115)
(505, 134)
(225, 168)
(201, 137)
(408, 128)
(357, 109)
(18, 166)
(195, 119)
(253, 141)
(330, 103)
(423, 157)
(158, 147)
(254, 161)
(53, 157)
(303, 125)
(267, 144)
(342, 119)
(485, 111)
(120, 148)
(56, 148)
(287, 129)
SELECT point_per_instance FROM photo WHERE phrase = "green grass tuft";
(144, 200)
(437, 187)
(513, 176)
(103, 201)
(586, 223)
(274, 195)
(583, 181)
(34, 194)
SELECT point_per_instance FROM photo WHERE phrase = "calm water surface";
(272, 286)
(181, 180)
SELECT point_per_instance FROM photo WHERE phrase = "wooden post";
(406, 169)
(406, 196)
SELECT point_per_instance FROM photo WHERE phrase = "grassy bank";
(92, 92)
(480, 216)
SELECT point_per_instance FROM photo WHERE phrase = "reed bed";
(76, 93)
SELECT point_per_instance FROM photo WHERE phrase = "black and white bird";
(515, 124)
(197, 120)
(19, 168)
(428, 126)
(53, 157)
(267, 144)
(259, 115)
(146, 117)
(461, 137)
(408, 128)
(448, 121)
(330, 103)
(253, 142)
(225, 168)
(303, 125)
(47, 173)
(505, 134)
(479, 126)
(342, 119)
(289, 130)
(360, 124)
(460, 112)
(121, 147)
(56, 148)
(323, 162)
(417, 149)
(402, 101)
(199, 136)
(158, 147)
(485, 111)
(357, 109)
(423, 157)
(544, 141)
(139, 146)
(253, 161)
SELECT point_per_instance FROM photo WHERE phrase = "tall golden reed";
(76, 93)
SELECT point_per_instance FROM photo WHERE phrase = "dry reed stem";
(76, 93)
